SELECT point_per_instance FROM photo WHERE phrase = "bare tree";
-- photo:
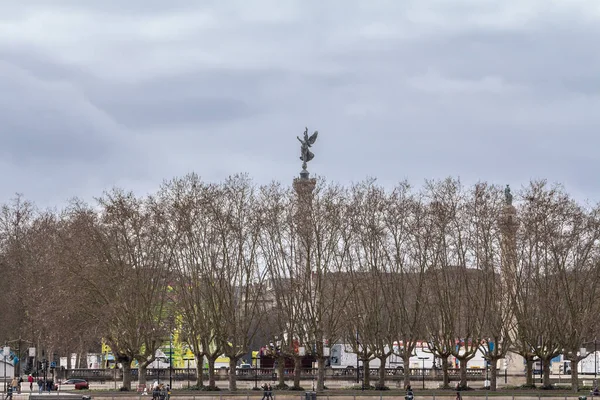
(197, 248)
(368, 318)
(16, 266)
(409, 240)
(327, 250)
(456, 271)
(491, 247)
(536, 317)
(130, 277)
(238, 279)
(39, 284)
(570, 241)
(280, 248)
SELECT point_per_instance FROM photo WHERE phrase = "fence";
(264, 373)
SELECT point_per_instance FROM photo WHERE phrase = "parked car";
(244, 369)
(77, 384)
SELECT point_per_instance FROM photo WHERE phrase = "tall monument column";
(508, 229)
(304, 187)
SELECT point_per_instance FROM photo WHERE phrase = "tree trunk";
(142, 367)
(297, 371)
(200, 370)
(463, 373)
(529, 371)
(366, 374)
(574, 375)
(232, 374)
(211, 373)
(381, 383)
(69, 361)
(126, 374)
(493, 372)
(445, 377)
(321, 374)
(280, 371)
(546, 370)
(406, 365)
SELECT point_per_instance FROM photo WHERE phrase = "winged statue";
(305, 154)
(508, 197)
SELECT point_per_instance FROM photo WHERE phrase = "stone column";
(304, 187)
(508, 228)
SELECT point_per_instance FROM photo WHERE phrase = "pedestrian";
(40, 383)
(265, 389)
(30, 380)
(409, 393)
(162, 392)
(269, 391)
(14, 384)
(155, 390)
(9, 393)
(458, 396)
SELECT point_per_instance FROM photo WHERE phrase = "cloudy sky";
(103, 93)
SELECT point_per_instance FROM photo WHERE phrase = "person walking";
(14, 384)
(265, 389)
(40, 383)
(155, 390)
(9, 393)
(409, 393)
(30, 380)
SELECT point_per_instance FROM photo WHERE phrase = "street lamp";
(487, 373)
(171, 360)
(423, 371)
(5, 351)
(357, 366)
(255, 365)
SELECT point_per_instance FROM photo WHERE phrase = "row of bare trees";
(232, 266)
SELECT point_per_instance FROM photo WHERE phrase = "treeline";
(226, 265)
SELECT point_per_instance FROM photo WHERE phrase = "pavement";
(340, 390)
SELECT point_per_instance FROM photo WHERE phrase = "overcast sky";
(103, 93)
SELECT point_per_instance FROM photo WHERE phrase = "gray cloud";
(95, 94)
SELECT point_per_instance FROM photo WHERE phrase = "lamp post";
(423, 370)
(4, 352)
(255, 365)
(171, 360)
(487, 373)
(595, 363)
(357, 366)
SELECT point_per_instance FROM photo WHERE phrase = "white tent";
(7, 370)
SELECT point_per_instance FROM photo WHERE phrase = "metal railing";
(264, 373)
